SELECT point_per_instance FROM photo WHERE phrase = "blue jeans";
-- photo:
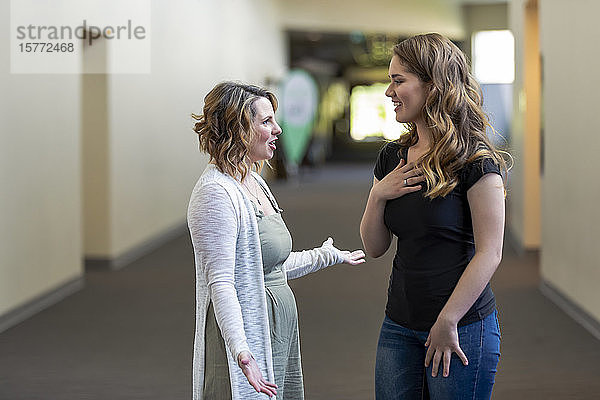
(400, 371)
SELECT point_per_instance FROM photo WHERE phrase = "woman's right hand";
(250, 368)
(403, 179)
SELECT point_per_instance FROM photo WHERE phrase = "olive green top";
(276, 245)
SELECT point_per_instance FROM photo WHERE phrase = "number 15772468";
(46, 47)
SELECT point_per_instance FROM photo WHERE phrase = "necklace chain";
(250, 191)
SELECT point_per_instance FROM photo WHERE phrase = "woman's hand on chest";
(403, 179)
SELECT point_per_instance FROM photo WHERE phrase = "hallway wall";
(570, 214)
(146, 155)
(40, 200)
(153, 160)
(523, 201)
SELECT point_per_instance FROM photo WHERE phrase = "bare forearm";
(375, 236)
(476, 276)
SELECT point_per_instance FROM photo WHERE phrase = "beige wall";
(570, 214)
(121, 142)
(524, 208)
(40, 200)
(405, 17)
(152, 159)
(95, 153)
(532, 125)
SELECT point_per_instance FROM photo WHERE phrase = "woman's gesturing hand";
(353, 258)
(249, 367)
(403, 179)
(441, 343)
(348, 257)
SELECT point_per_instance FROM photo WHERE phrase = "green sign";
(299, 100)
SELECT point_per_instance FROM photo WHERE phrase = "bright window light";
(494, 56)
(372, 114)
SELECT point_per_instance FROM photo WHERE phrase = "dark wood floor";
(128, 334)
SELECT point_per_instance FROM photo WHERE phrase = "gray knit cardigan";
(229, 271)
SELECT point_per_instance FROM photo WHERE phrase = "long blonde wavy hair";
(225, 126)
(452, 112)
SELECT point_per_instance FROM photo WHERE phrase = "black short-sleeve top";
(435, 244)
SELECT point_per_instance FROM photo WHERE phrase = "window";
(372, 114)
(493, 54)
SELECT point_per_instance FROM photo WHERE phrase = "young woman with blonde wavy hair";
(439, 190)
(246, 343)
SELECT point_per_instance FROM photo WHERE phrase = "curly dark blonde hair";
(225, 126)
(452, 111)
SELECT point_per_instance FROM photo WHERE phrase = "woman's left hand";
(353, 258)
(441, 343)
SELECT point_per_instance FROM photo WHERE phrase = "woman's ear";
(431, 92)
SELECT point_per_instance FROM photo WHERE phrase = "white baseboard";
(573, 310)
(40, 303)
(138, 251)
(52, 297)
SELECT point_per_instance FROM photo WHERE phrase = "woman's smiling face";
(407, 92)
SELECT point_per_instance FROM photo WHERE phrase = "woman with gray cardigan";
(246, 343)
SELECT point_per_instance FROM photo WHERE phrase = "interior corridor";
(129, 333)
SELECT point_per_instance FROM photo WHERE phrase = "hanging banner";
(299, 100)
